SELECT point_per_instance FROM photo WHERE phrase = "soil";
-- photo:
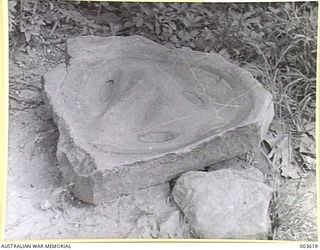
(37, 205)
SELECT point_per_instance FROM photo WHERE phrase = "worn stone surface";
(224, 204)
(132, 113)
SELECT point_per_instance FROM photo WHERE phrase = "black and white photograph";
(145, 120)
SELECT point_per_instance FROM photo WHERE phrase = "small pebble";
(45, 205)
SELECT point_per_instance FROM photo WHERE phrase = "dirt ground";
(39, 207)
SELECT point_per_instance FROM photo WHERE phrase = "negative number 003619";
(309, 245)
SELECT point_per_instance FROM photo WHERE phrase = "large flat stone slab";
(132, 113)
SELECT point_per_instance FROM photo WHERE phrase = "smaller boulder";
(224, 204)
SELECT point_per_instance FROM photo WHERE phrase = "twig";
(99, 10)
(298, 186)
(12, 82)
(56, 41)
(32, 152)
(19, 222)
(54, 28)
(289, 147)
(25, 101)
(271, 164)
(34, 7)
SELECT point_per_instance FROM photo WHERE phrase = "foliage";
(23, 17)
(292, 220)
(39, 18)
(12, 14)
(276, 42)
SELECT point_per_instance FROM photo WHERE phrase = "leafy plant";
(40, 18)
(12, 14)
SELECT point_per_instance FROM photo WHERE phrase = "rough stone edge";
(78, 182)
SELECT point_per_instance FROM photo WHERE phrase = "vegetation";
(276, 42)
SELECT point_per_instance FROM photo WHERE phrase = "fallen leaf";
(310, 128)
(309, 162)
(291, 171)
(307, 145)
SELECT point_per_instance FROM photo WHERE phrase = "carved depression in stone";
(132, 113)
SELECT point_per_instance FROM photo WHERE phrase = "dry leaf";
(307, 145)
(310, 128)
(291, 171)
(309, 162)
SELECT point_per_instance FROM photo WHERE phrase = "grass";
(285, 59)
(291, 221)
(276, 42)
